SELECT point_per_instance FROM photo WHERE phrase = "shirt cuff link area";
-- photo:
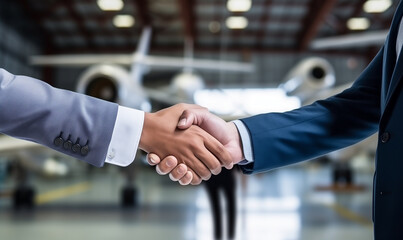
(246, 142)
(125, 137)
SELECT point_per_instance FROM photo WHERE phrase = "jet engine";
(115, 84)
(308, 78)
(185, 84)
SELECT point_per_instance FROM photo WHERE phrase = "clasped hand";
(189, 143)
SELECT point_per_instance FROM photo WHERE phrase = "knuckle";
(229, 166)
(217, 171)
(185, 181)
(206, 176)
(185, 112)
(194, 145)
(216, 165)
(227, 159)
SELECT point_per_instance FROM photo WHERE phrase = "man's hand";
(170, 165)
(224, 132)
(199, 151)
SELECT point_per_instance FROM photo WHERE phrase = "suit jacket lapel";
(396, 77)
(388, 66)
(392, 71)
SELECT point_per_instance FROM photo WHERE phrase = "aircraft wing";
(8, 144)
(375, 38)
(80, 60)
(201, 64)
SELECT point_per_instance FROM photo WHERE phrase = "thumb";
(187, 119)
(153, 159)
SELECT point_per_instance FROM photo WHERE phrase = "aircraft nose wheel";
(24, 197)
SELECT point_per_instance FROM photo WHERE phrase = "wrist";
(236, 138)
(145, 134)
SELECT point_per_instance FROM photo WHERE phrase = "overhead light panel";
(249, 101)
(239, 5)
(110, 5)
(123, 21)
(238, 22)
(358, 23)
(377, 6)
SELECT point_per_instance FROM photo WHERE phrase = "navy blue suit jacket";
(374, 103)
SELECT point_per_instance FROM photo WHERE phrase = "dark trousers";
(225, 183)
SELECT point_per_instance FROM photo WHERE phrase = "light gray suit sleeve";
(72, 123)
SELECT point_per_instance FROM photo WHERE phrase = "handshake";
(190, 143)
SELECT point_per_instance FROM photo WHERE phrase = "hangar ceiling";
(80, 26)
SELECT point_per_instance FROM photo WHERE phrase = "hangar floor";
(280, 205)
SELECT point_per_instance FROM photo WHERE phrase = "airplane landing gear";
(24, 197)
(24, 194)
(129, 196)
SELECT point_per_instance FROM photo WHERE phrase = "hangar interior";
(326, 198)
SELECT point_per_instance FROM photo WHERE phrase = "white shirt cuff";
(125, 137)
(246, 143)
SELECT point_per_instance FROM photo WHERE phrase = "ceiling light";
(377, 6)
(123, 21)
(239, 5)
(236, 22)
(358, 23)
(110, 5)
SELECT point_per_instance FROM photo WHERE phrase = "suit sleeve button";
(76, 148)
(385, 137)
(85, 150)
(58, 141)
(67, 145)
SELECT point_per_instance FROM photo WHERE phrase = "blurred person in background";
(223, 187)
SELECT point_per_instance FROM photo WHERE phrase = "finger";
(167, 165)
(186, 120)
(198, 167)
(178, 172)
(189, 117)
(153, 159)
(219, 151)
(185, 180)
(196, 180)
(210, 161)
(230, 166)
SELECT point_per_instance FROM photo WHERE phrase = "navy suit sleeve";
(32, 110)
(280, 139)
